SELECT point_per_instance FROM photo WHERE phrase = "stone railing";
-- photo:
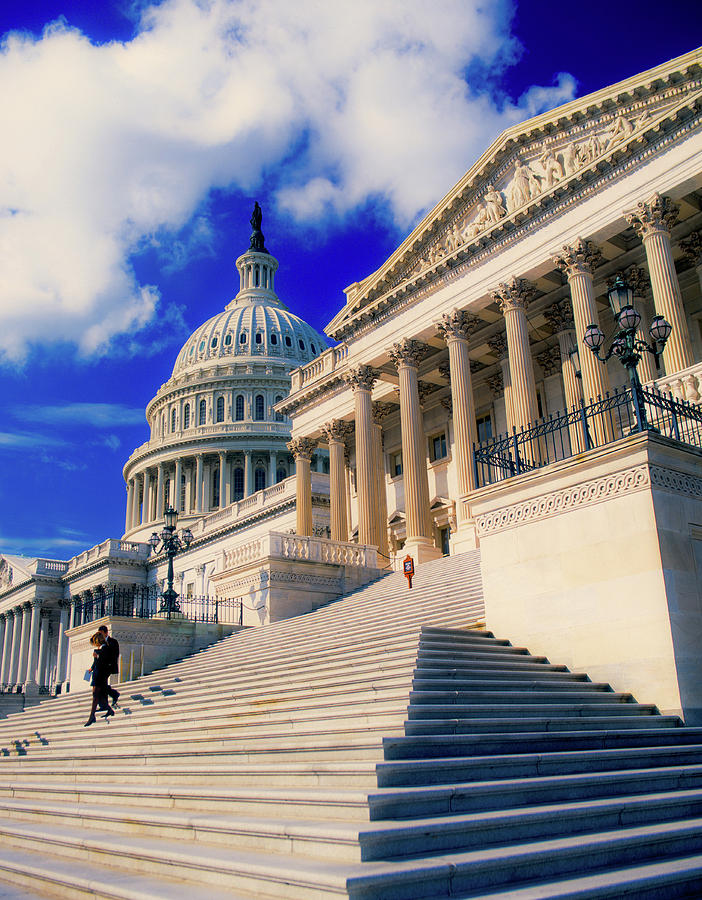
(320, 367)
(50, 567)
(110, 548)
(240, 508)
(276, 545)
(684, 385)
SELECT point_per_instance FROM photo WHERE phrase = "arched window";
(182, 493)
(259, 337)
(242, 337)
(288, 340)
(220, 409)
(186, 416)
(279, 417)
(213, 342)
(239, 408)
(280, 474)
(259, 479)
(238, 483)
(228, 340)
(214, 499)
(302, 344)
(314, 351)
(260, 408)
(202, 419)
(173, 419)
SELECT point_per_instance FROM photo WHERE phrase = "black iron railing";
(625, 411)
(139, 602)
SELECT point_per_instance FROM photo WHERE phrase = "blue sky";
(136, 137)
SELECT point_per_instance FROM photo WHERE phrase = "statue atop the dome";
(257, 239)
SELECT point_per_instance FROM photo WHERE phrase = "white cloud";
(95, 415)
(108, 148)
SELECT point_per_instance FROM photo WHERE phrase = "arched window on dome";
(259, 479)
(214, 496)
(238, 483)
(313, 349)
(274, 339)
(228, 340)
(220, 409)
(280, 474)
(301, 343)
(279, 417)
(288, 340)
(173, 419)
(213, 342)
(239, 408)
(186, 416)
(202, 417)
(259, 408)
(259, 337)
(243, 337)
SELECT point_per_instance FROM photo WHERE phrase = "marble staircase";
(383, 746)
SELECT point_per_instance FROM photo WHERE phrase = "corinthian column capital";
(579, 258)
(692, 247)
(336, 430)
(380, 411)
(302, 448)
(498, 345)
(515, 293)
(560, 317)
(458, 325)
(657, 214)
(407, 353)
(361, 378)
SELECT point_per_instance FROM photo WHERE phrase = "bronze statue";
(257, 239)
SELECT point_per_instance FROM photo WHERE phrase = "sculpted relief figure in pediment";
(5, 574)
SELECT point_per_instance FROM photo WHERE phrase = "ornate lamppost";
(625, 345)
(171, 544)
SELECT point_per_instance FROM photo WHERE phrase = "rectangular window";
(484, 424)
(396, 464)
(437, 446)
(189, 589)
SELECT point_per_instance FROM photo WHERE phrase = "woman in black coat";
(100, 673)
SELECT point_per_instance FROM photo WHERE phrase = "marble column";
(177, 487)
(41, 673)
(498, 345)
(188, 505)
(272, 466)
(136, 508)
(198, 484)
(578, 262)
(513, 298)
(361, 380)
(130, 505)
(639, 282)
(456, 329)
(33, 647)
(560, 320)
(406, 355)
(302, 449)
(222, 479)
(24, 645)
(653, 221)
(335, 433)
(159, 493)
(5, 644)
(146, 502)
(380, 412)
(62, 647)
(13, 658)
(248, 474)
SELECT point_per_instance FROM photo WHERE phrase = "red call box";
(408, 569)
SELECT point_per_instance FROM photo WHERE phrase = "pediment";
(527, 169)
(14, 570)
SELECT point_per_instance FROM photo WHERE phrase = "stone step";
(467, 712)
(535, 694)
(540, 724)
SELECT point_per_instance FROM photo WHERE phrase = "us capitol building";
(459, 408)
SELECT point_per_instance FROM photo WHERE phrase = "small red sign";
(408, 569)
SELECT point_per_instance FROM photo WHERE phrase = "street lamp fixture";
(170, 544)
(625, 345)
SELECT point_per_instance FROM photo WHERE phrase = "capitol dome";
(215, 435)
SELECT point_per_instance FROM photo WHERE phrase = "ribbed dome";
(256, 325)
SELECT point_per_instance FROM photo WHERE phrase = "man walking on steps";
(112, 646)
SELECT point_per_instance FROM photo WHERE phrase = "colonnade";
(200, 483)
(24, 644)
(568, 317)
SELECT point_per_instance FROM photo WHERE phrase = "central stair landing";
(384, 746)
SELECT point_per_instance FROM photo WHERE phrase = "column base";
(465, 538)
(421, 550)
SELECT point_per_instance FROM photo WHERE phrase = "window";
(279, 417)
(228, 340)
(213, 342)
(274, 339)
(396, 464)
(444, 535)
(182, 492)
(238, 483)
(189, 588)
(220, 409)
(437, 446)
(203, 413)
(302, 344)
(173, 419)
(239, 408)
(484, 426)
(280, 474)
(312, 348)
(214, 498)
(259, 410)
(242, 337)
(259, 337)
(202, 346)
(186, 416)
(259, 479)
(288, 340)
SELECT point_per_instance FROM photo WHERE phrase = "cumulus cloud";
(107, 149)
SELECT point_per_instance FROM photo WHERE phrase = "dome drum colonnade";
(568, 317)
(215, 435)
